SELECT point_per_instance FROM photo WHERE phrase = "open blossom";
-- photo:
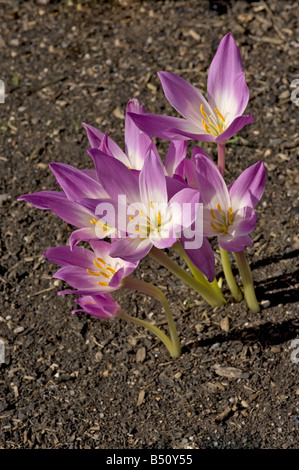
(90, 272)
(100, 306)
(216, 119)
(228, 213)
(151, 217)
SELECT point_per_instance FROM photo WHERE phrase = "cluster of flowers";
(132, 204)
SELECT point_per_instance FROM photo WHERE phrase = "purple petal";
(78, 278)
(152, 181)
(101, 248)
(191, 174)
(99, 306)
(176, 153)
(186, 206)
(211, 184)
(67, 210)
(64, 256)
(83, 234)
(136, 141)
(117, 278)
(99, 140)
(234, 244)
(170, 128)
(75, 183)
(174, 185)
(249, 187)
(244, 222)
(183, 96)
(94, 135)
(203, 258)
(115, 177)
(42, 199)
(91, 173)
(241, 93)
(237, 124)
(226, 64)
(166, 242)
(190, 167)
(131, 249)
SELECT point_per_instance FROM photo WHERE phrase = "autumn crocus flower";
(100, 306)
(90, 272)
(151, 218)
(228, 213)
(214, 120)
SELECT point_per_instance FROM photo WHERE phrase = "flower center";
(104, 270)
(214, 123)
(221, 219)
(149, 222)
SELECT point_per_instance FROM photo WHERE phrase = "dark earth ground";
(72, 381)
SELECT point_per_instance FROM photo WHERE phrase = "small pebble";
(19, 329)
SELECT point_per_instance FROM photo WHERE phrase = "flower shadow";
(267, 334)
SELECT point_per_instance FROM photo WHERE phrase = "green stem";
(205, 290)
(236, 293)
(153, 329)
(199, 276)
(247, 279)
(149, 289)
(221, 157)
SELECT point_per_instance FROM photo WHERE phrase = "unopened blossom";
(99, 306)
(214, 120)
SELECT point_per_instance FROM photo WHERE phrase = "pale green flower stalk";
(247, 280)
(204, 288)
(173, 346)
(199, 276)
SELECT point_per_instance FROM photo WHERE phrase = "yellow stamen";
(151, 204)
(231, 215)
(140, 231)
(206, 126)
(93, 221)
(219, 207)
(159, 218)
(220, 129)
(223, 228)
(101, 260)
(111, 270)
(202, 111)
(213, 214)
(93, 273)
(214, 226)
(219, 114)
(103, 283)
(97, 264)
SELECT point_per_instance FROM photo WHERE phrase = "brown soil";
(72, 381)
